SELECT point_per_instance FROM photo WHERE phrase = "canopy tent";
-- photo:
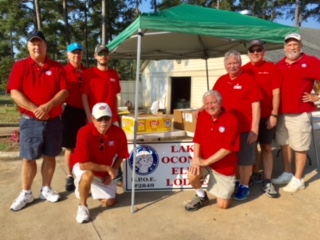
(191, 32)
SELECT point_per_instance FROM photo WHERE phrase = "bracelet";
(273, 115)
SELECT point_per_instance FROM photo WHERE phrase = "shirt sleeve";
(16, 77)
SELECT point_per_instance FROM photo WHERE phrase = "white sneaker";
(21, 201)
(49, 194)
(283, 178)
(82, 214)
(294, 185)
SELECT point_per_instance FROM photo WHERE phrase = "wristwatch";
(273, 115)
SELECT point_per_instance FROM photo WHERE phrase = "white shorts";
(98, 189)
(219, 185)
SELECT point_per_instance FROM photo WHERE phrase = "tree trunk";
(104, 20)
(37, 13)
(65, 15)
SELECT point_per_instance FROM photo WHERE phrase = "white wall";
(156, 78)
(128, 90)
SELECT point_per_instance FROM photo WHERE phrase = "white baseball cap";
(100, 110)
(295, 36)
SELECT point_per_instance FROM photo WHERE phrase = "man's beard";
(293, 56)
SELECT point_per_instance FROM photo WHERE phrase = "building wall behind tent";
(128, 89)
(157, 77)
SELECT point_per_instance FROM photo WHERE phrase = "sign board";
(159, 166)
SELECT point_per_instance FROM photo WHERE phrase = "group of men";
(71, 107)
(248, 105)
(267, 100)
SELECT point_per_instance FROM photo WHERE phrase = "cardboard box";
(184, 120)
(148, 124)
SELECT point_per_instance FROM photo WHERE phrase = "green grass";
(8, 110)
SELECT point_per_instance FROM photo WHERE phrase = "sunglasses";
(101, 148)
(105, 118)
(103, 53)
(258, 50)
(80, 81)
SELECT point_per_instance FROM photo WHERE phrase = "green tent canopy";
(189, 32)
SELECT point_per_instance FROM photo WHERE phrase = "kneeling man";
(216, 143)
(100, 149)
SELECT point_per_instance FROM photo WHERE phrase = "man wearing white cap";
(299, 71)
(101, 147)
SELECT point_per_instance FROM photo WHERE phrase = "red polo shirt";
(298, 78)
(268, 78)
(74, 82)
(89, 143)
(102, 86)
(238, 95)
(214, 135)
(38, 84)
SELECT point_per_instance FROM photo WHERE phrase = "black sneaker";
(197, 203)
(257, 178)
(270, 191)
(70, 184)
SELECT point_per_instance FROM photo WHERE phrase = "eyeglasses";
(101, 148)
(258, 50)
(103, 53)
(105, 118)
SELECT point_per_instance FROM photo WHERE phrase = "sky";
(311, 23)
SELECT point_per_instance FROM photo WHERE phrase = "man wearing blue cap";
(74, 116)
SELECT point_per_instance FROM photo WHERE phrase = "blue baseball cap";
(74, 46)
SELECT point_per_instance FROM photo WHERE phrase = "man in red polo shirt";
(241, 96)
(101, 84)
(101, 147)
(269, 80)
(294, 130)
(74, 116)
(38, 86)
(216, 143)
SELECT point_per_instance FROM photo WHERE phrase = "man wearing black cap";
(299, 71)
(268, 78)
(74, 116)
(38, 86)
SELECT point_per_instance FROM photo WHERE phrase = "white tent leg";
(136, 103)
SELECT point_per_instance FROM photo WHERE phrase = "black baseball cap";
(36, 34)
(100, 48)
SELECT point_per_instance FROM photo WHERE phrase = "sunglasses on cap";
(258, 50)
(105, 118)
(101, 147)
(103, 53)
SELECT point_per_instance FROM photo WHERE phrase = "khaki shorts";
(294, 130)
(219, 185)
(98, 189)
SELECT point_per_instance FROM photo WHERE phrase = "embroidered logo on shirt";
(237, 87)
(303, 65)
(48, 73)
(222, 129)
(111, 143)
(112, 80)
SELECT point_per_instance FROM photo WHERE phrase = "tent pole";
(136, 103)
(207, 73)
